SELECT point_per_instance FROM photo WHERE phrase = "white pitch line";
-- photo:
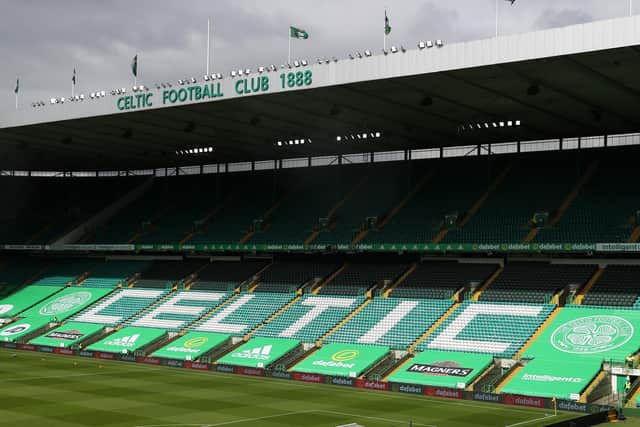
(52, 377)
(371, 418)
(224, 423)
(530, 421)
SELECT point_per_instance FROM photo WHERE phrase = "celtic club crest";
(592, 334)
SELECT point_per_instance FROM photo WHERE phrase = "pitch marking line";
(530, 421)
(371, 418)
(286, 414)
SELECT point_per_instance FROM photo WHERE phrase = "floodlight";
(123, 90)
(367, 52)
(439, 43)
(102, 93)
(394, 49)
(206, 78)
(219, 76)
(429, 44)
(421, 45)
(193, 80)
(247, 71)
(320, 61)
(338, 138)
(296, 63)
(274, 67)
(82, 97)
(233, 74)
(378, 134)
(62, 100)
(261, 70)
(517, 122)
(304, 62)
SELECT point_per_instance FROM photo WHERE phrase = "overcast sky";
(42, 40)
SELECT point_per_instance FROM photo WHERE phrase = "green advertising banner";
(67, 302)
(588, 333)
(68, 334)
(259, 352)
(442, 368)
(548, 378)
(191, 346)
(24, 299)
(127, 340)
(22, 327)
(342, 360)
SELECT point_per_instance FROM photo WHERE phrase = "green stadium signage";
(67, 335)
(22, 327)
(259, 352)
(127, 340)
(442, 368)
(191, 346)
(342, 360)
(241, 87)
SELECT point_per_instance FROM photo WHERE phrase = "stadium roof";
(573, 81)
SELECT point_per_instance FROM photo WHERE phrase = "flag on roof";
(297, 33)
(387, 27)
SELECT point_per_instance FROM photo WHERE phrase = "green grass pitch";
(38, 389)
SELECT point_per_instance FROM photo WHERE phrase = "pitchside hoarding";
(442, 368)
(127, 340)
(66, 335)
(191, 346)
(259, 352)
(342, 360)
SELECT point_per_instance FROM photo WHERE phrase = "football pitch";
(38, 389)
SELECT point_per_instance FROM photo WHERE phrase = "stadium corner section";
(564, 362)
(45, 314)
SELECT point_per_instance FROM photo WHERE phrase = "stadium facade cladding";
(565, 82)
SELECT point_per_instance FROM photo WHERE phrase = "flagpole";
(384, 36)
(208, 42)
(289, 55)
(496, 18)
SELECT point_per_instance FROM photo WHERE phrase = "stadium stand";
(311, 317)
(383, 188)
(619, 286)
(15, 272)
(44, 209)
(120, 306)
(451, 191)
(398, 322)
(166, 274)
(243, 313)
(289, 276)
(179, 310)
(535, 283)
(252, 195)
(110, 274)
(497, 328)
(227, 275)
(358, 278)
(442, 279)
(506, 216)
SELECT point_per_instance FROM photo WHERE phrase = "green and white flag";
(387, 27)
(134, 66)
(17, 89)
(297, 33)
